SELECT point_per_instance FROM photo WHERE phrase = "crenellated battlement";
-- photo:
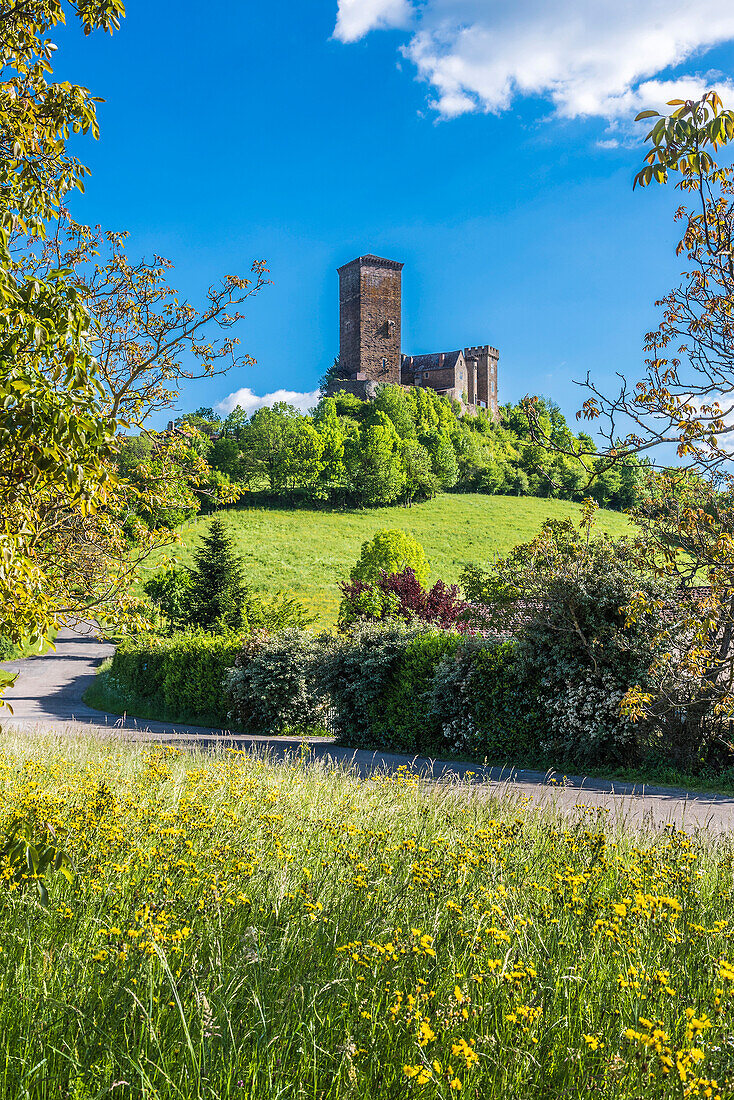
(482, 349)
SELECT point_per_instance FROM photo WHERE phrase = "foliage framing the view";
(53, 442)
(684, 404)
(90, 343)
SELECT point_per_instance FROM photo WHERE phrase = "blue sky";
(485, 143)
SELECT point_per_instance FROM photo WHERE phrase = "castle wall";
(456, 380)
(471, 381)
(361, 386)
(349, 322)
(440, 379)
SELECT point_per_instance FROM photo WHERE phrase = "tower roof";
(373, 261)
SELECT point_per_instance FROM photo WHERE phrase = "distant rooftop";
(437, 360)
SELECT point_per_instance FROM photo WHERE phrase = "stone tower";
(369, 318)
(486, 359)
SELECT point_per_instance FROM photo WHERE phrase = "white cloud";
(356, 17)
(250, 401)
(588, 57)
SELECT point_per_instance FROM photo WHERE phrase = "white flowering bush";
(461, 735)
(274, 685)
(584, 719)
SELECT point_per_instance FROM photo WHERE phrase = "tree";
(54, 478)
(166, 478)
(218, 592)
(419, 478)
(55, 447)
(283, 446)
(81, 345)
(225, 456)
(443, 458)
(214, 596)
(36, 117)
(426, 414)
(146, 339)
(370, 449)
(350, 407)
(333, 374)
(170, 591)
(204, 419)
(372, 461)
(332, 437)
(390, 551)
(391, 401)
(684, 402)
(304, 448)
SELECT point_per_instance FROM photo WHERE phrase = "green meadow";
(237, 928)
(310, 550)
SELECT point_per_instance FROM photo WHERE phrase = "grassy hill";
(310, 550)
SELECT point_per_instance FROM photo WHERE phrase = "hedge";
(402, 688)
(395, 687)
(274, 686)
(181, 676)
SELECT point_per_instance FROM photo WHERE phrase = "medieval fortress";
(370, 305)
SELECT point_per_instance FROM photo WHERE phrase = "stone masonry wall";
(370, 305)
(349, 286)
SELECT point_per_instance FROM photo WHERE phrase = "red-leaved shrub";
(400, 596)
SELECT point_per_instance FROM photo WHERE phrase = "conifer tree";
(218, 590)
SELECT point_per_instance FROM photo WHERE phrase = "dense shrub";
(414, 689)
(582, 720)
(486, 704)
(396, 686)
(274, 684)
(170, 590)
(563, 597)
(356, 670)
(547, 688)
(390, 551)
(403, 719)
(182, 675)
(583, 656)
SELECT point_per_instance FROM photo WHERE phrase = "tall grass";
(238, 928)
(310, 550)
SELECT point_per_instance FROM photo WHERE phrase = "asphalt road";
(47, 697)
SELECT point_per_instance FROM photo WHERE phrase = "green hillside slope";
(310, 551)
